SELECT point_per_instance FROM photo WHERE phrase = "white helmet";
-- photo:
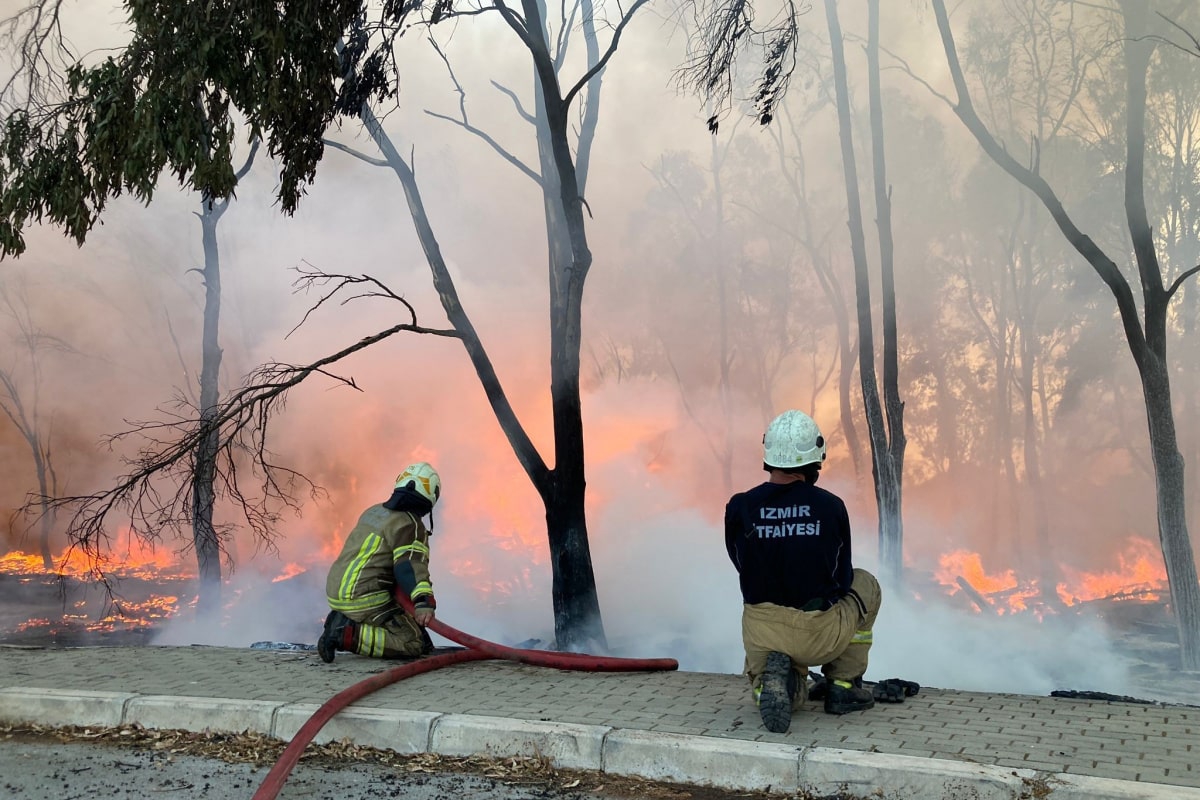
(423, 479)
(793, 440)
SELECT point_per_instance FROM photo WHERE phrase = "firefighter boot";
(842, 697)
(776, 692)
(337, 635)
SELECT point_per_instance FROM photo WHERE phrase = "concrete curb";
(406, 732)
(680, 758)
(733, 764)
(199, 713)
(567, 745)
(858, 772)
(60, 707)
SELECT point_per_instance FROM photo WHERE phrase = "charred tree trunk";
(1152, 361)
(1191, 393)
(891, 483)
(577, 620)
(48, 487)
(204, 535)
(576, 606)
(1172, 509)
(887, 487)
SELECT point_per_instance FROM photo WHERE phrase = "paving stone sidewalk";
(1146, 744)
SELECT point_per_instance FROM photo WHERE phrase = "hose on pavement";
(477, 650)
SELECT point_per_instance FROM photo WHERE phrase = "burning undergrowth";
(958, 623)
(133, 601)
(69, 606)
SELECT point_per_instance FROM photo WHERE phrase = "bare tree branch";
(312, 278)
(241, 173)
(1178, 282)
(709, 440)
(608, 54)
(518, 25)
(465, 123)
(525, 115)
(187, 372)
(241, 423)
(723, 28)
(40, 54)
(1191, 36)
(375, 162)
(527, 454)
(564, 33)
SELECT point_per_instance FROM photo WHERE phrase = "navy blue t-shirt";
(790, 543)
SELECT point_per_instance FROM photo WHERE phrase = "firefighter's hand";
(423, 616)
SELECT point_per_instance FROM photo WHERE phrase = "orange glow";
(134, 560)
(1003, 590)
(969, 566)
(121, 616)
(105, 614)
(290, 570)
(1140, 575)
(155, 609)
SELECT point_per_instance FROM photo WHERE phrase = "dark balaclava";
(406, 499)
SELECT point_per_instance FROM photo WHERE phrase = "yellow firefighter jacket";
(383, 548)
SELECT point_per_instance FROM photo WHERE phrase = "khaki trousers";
(389, 633)
(838, 639)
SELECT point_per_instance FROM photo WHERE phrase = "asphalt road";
(49, 770)
(36, 767)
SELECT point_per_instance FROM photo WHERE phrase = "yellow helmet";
(423, 479)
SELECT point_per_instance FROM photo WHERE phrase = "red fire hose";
(477, 650)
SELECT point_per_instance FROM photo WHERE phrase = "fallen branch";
(973, 593)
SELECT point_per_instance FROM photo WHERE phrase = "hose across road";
(477, 650)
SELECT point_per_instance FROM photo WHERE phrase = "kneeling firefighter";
(804, 603)
(387, 551)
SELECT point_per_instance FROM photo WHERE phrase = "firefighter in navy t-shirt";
(804, 603)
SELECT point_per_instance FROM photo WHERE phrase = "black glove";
(894, 690)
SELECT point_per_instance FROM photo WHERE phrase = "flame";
(1006, 593)
(144, 614)
(136, 560)
(969, 566)
(96, 614)
(121, 615)
(1140, 574)
(290, 570)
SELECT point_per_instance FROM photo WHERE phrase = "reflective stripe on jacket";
(364, 573)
